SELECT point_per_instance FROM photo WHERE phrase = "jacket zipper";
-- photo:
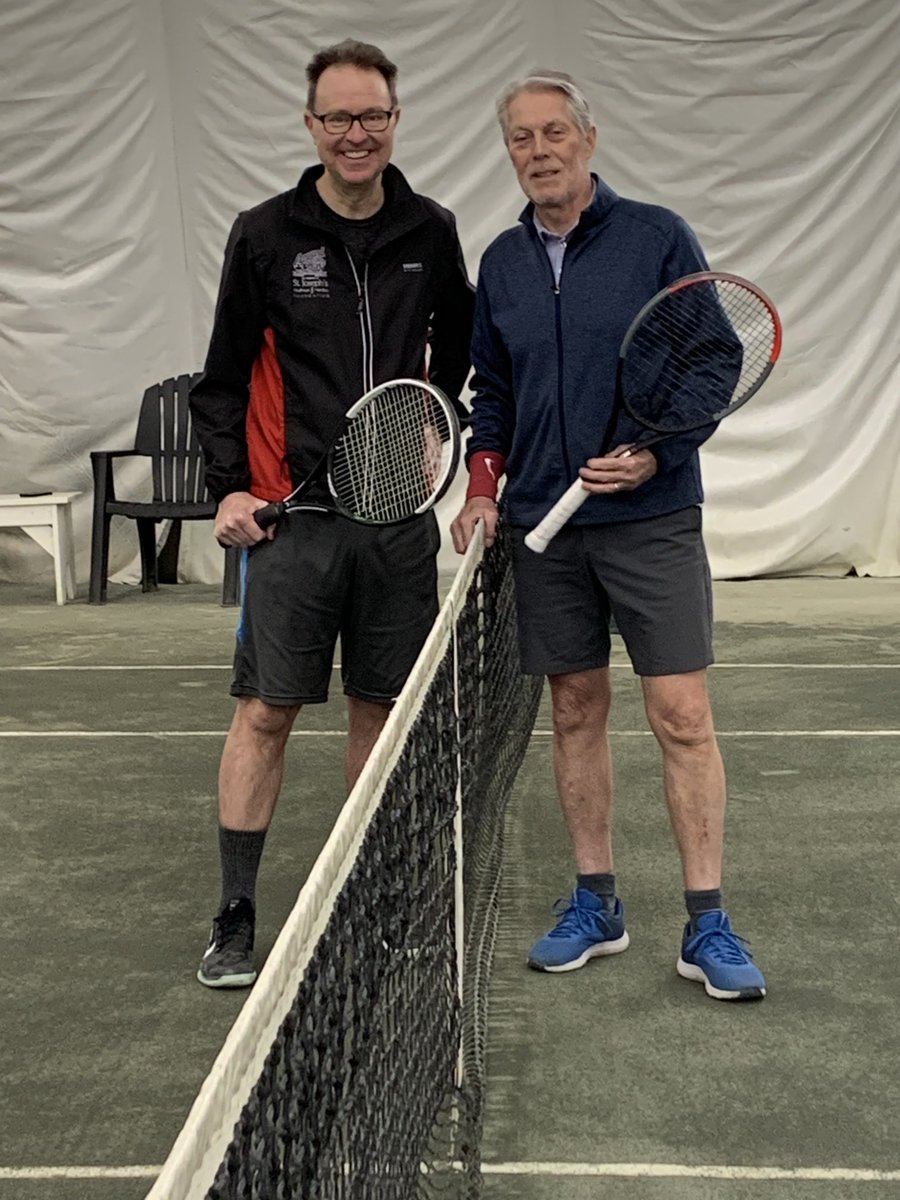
(560, 405)
(365, 323)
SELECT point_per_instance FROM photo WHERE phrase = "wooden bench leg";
(57, 553)
(67, 541)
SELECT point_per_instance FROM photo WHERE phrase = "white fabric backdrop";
(135, 130)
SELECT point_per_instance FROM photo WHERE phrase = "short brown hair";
(354, 54)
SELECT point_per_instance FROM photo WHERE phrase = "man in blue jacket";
(555, 297)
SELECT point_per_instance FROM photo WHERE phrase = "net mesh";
(699, 353)
(357, 1066)
(397, 454)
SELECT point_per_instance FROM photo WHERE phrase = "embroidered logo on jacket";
(412, 266)
(310, 275)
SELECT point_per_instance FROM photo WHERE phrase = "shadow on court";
(111, 877)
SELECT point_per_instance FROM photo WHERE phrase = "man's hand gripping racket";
(696, 351)
(393, 458)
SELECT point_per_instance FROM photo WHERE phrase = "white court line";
(139, 667)
(622, 666)
(79, 1172)
(782, 666)
(536, 733)
(131, 667)
(754, 733)
(159, 733)
(676, 1171)
(547, 1169)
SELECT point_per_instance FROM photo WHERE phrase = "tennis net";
(356, 1068)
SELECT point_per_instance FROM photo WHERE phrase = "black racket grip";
(271, 514)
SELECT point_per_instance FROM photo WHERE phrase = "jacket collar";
(595, 213)
(406, 208)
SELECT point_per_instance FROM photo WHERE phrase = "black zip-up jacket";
(302, 329)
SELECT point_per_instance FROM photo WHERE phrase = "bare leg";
(582, 764)
(252, 763)
(366, 721)
(679, 713)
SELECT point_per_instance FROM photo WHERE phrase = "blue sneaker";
(585, 930)
(714, 955)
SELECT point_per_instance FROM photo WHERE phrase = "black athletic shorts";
(323, 578)
(652, 575)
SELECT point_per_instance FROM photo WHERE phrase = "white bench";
(48, 520)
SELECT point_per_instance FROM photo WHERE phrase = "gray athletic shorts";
(324, 578)
(651, 575)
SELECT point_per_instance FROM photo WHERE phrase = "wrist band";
(485, 470)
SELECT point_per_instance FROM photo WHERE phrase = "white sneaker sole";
(698, 975)
(227, 981)
(600, 950)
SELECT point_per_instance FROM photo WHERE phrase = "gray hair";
(546, 81)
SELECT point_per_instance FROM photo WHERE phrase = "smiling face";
(353, 160)
(551, 155)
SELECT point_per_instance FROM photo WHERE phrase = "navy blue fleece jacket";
(545, 359)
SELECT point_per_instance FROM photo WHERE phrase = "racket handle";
(568, 503)
(264, 517)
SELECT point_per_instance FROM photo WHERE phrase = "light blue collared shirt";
(555, 243)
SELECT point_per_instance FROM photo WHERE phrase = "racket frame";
(539, 538)
(273, 512)
(657, 433)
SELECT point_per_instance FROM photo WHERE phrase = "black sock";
(602, 884)
(701, 902)
(240, 851)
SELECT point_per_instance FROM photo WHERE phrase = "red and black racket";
(392, 459)
(697, 351)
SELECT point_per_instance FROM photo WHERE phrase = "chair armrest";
(101, 463)
(117, 453)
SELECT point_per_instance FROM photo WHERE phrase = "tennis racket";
(393, 457)
(696, 351)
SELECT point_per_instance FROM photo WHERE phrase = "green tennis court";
(618, 1081)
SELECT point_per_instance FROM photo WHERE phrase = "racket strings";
(394, 456)
(698, 354)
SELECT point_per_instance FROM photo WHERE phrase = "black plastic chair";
(165, 435)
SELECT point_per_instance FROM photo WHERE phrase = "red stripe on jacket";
(266, 441)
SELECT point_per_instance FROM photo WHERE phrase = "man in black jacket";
(327, 291)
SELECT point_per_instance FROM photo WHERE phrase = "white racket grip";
(568, 503)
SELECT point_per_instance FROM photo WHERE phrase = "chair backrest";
(166, 432)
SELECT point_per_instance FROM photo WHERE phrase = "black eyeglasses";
(373, 120)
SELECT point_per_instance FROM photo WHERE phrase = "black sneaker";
(228, 961)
